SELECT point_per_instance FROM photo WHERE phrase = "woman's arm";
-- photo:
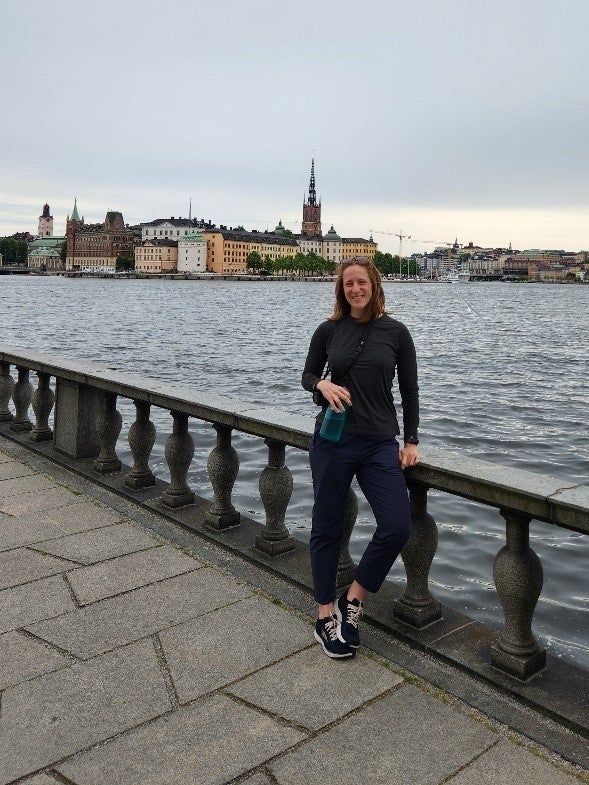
(316, 358)
(408, 387)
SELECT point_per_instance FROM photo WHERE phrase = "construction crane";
(398, 234)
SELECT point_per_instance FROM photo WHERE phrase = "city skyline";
(438, 121)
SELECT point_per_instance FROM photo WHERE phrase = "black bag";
(318, 398)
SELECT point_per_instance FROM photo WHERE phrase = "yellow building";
(156, 256)
(228, 249)
(358, 246)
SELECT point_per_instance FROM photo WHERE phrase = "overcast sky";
(432, 118)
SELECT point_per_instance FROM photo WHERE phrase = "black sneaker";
(348, 613)
(326, 634)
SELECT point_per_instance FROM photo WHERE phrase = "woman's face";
(357, 288)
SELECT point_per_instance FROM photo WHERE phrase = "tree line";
(299, 264)
(14, 252)
(396, 265)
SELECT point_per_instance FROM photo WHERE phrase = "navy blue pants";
(375, 462)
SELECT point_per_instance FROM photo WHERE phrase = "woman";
(363, 348)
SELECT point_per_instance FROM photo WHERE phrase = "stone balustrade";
(82, 421)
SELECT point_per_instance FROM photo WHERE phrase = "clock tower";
(45, 223)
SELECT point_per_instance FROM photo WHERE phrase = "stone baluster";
(517, 572)
(42, 401)
(222, 467)
(417, 606)
(275, 491)
(108, 426)
(6, 389)
(141, 440)
(346, 567)
(179, 452)
(22, 396)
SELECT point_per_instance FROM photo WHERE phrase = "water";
(503, 377)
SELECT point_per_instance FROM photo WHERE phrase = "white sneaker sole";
(331, 654)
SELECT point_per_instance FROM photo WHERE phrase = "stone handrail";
(86, 425)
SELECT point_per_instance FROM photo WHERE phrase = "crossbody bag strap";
(359, 348)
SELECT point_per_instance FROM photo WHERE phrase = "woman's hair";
(375, 307)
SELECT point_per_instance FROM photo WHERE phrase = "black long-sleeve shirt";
(388, 349)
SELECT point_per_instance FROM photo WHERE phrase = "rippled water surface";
(503, 376)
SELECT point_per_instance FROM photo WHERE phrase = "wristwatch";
(411, 440)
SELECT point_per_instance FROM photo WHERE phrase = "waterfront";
(501, 375)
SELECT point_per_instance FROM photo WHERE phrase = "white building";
(310, 244)
(332, 246)
(171, 228)
(192, 254)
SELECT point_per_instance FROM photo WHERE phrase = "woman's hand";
(335, 395)
(409, 456)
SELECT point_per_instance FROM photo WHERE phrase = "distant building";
(97, 246)
(156, 256)
(330, 246)
(228, 249)
(45, 253)
(174, 228)
(358, 246)
(192, 254)
(45, 223)
(311, 226)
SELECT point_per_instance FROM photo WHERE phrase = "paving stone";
(407, 737)
(22, 658)
(28, 503)
(22, 565)
(56, 715)
(124, 573)
(10, 469)
(84, 511)
(506, 764)
(229, 643)
(210, 742)
(39, 779)
(4, 458)
(311, 690)
(19, 486)
(26, 530)
(119, 620)
(99, 544)
(44, 599)
(259, 778)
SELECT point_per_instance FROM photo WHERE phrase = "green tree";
(124, 263)
(386, 264)
(253, 261)
(63, 251)
(14, 252)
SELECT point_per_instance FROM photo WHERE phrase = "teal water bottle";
(333, 424)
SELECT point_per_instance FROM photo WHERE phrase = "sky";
(432, 119)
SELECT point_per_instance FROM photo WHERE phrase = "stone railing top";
(538, 496)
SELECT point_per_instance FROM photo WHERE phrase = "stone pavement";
(130, 656)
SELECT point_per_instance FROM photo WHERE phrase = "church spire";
(311, 226)
(312, 195)
(75, 215)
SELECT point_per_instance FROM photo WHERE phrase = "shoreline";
(265, 278)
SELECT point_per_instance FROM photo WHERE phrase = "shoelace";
(330, 628)
(353, 614)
